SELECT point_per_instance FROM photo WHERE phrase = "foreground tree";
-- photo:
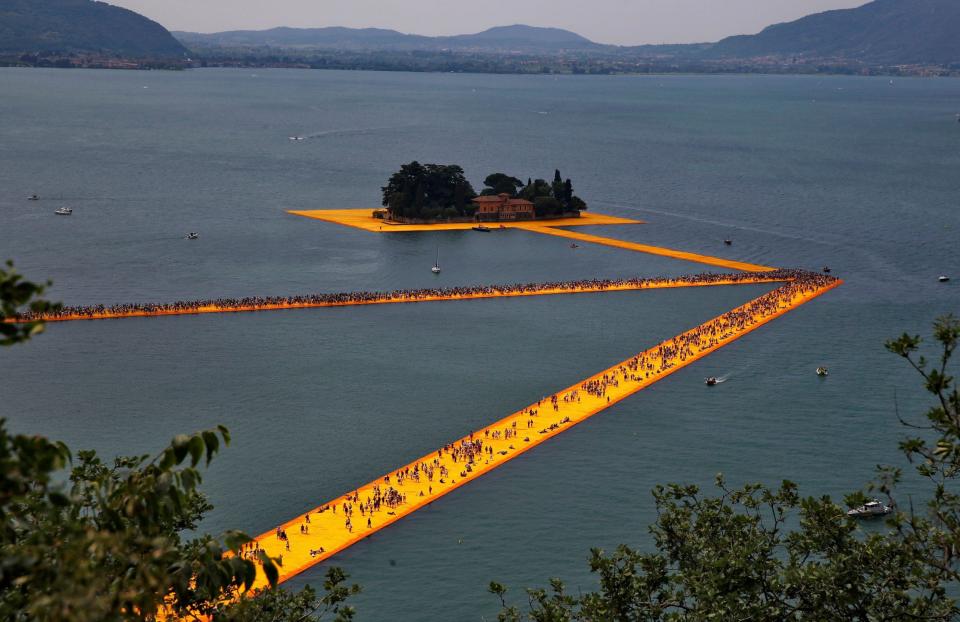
(16, 293)
(104, 543)
(765, 554)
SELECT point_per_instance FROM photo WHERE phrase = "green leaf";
(197, 447)
(212, 443)
(269, 569)
(180, 446)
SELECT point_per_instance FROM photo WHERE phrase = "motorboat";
(826, 269)
(728, 242)
(63, 211)
(711, 381)
(482, 228)
(436, 266)
(943, 278)
(193, 235)
(33, 197)
(574, 245)
(871, 509)
(296, 138)
(822, 371)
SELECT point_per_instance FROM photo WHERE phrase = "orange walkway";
(363, 219)
(427, 479)
(646, 248)
(412, 296)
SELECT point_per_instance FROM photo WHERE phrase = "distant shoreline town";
(439, 62)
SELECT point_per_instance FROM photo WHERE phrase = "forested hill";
(82, 26)
(883, 31)
(516, 38)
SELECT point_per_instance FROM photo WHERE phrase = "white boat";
(711, 381)
(33, 197)
(943, 278)
(870, 509)
(822, 371)
(63, 211)
(436, 266)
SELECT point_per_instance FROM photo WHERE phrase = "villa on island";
(503, 207)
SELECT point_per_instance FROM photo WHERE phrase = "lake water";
(856, 173)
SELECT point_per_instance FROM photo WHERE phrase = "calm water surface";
(854, 173)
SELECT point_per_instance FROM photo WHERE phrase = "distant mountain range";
(882, 32)
(516, 38)
(32, 26)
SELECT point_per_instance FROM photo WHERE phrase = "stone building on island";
(503, 207)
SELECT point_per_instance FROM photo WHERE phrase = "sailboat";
(436, 266)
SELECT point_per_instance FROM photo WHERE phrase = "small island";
(440, 193)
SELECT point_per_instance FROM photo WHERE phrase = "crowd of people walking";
(405, 489)
(256, 303)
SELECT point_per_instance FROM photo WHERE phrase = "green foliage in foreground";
(17, 294)
(83, 541)
(107, 544)
(737, 556)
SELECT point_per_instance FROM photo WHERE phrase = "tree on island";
(436, 192)
(429, 192)
(553, 199)
(84, 541)
(501, 183)
(770, 555)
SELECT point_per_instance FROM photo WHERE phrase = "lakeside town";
(488, 63)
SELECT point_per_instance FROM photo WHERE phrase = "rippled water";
(854, 173)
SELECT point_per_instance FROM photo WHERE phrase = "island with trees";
(440, 193)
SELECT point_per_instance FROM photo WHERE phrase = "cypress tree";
(557, 186)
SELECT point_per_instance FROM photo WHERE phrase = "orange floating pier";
(310, 538)
(402, 297)
(646, 248)
(313, 537)
(363, 219)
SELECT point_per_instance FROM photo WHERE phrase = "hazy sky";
(625, 22)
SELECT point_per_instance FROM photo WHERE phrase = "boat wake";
(348, 131)
(722, 379)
